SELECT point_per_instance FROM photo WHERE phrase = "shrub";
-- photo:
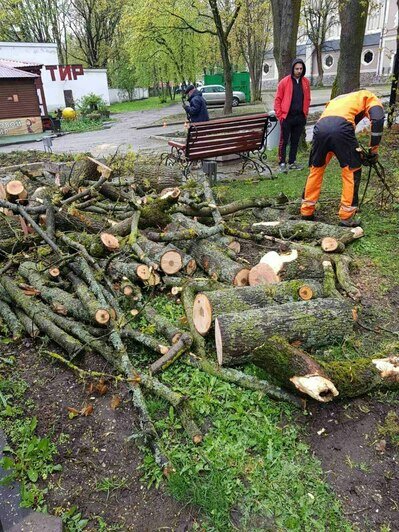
(92, 104)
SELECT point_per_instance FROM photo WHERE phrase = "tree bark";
(303, 230)
(149, 176)
(217, 264)
(315, 323)
(362, 375)
(208, 306)
(353, 18)
(285, 31)
(292, 367)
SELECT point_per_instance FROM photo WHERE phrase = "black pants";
(291, 131)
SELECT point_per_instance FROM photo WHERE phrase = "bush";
(93, 116)
(92, 104)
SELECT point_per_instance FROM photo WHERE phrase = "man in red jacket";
(291, 105)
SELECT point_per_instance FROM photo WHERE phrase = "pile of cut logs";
(82, 250)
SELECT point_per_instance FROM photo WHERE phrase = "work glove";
(372, 157)
(369, 158)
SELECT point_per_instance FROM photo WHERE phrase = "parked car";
(216, 94)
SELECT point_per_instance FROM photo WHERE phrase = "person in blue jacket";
(196, 108)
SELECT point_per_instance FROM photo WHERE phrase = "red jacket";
(282, 100)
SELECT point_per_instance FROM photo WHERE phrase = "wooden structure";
(32, 68)
(244, 136)
(19, 104)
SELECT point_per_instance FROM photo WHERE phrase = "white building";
(378, 54)
(62, 84)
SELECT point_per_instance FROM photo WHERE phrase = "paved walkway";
(123, 135)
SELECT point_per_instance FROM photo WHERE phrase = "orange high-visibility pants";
(349, 196)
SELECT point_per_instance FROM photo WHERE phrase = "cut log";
(148, 175)
(273, 259)
(131, 270)
(307, 265)
(182, 345)
(291, 366)
(14, 325)
(304, 230)
(217, 264)
(208, 306)
(342, 264)
(168, 257)
(54, 272)
(262, 274)
(110, 242)
(35, 312)
(314, 323)
(362, 375)
(329, 287)
(15, 191)
(332, 245)
(54, 295)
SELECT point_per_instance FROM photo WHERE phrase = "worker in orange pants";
(334, 134)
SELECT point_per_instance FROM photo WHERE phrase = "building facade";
(378, 54)
(63, 85)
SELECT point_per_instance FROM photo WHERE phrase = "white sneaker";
(283, 168)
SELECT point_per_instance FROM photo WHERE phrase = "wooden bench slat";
(228, 121)
(221, 151)
(224, 138)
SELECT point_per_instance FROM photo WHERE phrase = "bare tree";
(35, 21)
(254, 34)
(353, 18)
(319, 16)
(285, 32)
(93, 24)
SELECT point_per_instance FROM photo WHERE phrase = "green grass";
(80, 125)
(251, 463)
(28, 458)
(252, 471)
(140, 105)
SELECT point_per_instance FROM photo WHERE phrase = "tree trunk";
(149, 176)
(353, 18)
(285, 31)
(362, 375)
(316, 323)
(319, 81)
(292, 367)
(208, 306)
(395, 81)
(217, 264)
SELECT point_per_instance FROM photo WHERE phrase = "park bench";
(245, 136)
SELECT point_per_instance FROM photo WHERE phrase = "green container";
(241, 82)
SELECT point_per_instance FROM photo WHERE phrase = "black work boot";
(350, 222)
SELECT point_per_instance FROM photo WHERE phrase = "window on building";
(368, 56)
(266, 68)
(328, 61)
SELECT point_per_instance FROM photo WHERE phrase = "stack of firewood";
(80, 248)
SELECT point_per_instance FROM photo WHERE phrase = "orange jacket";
(354, 107)
(282, 100)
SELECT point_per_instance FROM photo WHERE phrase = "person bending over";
(334, 134)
